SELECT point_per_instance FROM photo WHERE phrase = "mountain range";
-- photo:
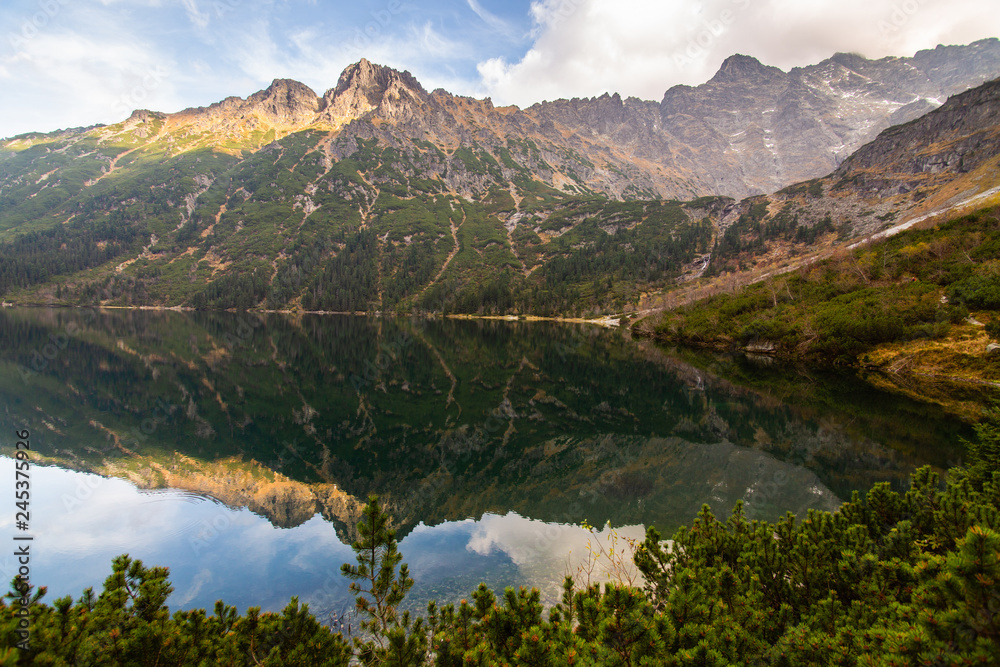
(379, 195)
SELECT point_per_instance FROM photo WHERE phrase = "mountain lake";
(238, 449)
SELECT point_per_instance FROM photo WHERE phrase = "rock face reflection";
(294, 416)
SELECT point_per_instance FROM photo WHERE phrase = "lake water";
(238, 449)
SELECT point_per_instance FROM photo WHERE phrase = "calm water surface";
(238, 449)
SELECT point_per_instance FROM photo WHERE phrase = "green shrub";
(977, 291)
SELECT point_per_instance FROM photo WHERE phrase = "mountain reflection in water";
(490, 442)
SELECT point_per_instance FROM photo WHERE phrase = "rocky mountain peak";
(285, 102)
(365, 87)
(741, 68)
(853, 61)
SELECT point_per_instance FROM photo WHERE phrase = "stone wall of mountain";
(751, 129)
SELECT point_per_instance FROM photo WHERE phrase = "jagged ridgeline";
(379, 195)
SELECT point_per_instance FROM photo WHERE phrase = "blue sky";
(66, 63)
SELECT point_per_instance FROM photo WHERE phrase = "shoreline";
(607, 321)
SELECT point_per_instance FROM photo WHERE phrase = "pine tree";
(984, 453)
(392, 638)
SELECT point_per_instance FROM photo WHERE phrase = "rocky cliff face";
(751, 129)
(940, 161)
(959, 137)
(365, 88)
(285, 103)
(758, 129)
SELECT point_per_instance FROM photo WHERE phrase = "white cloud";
(542, 551)
(492, 20)
(432, 43)
(642, 47)
(60, 71)
(184, 597)
(199, 18)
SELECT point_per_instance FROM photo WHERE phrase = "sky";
(72, 63)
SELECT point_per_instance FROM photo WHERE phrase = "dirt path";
(112, 166)
(451, 255)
